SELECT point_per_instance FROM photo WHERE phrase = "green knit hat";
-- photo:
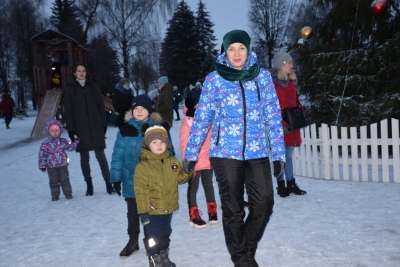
(236, 36)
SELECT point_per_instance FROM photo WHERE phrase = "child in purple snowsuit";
(52, 156)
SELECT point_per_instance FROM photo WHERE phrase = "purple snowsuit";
(53, 157)
(52, 151)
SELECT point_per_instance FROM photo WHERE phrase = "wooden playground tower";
(47, 46)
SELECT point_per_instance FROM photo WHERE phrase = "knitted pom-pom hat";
(153, 132)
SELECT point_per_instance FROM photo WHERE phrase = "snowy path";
(336, 224)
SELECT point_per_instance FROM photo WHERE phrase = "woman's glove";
(43, 169)
(145, 218)
(278, 167)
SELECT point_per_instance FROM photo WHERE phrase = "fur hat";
(143, 101)
(282, 58)
(163, 80)
(153, 132)
(236, 36)
(123, 81)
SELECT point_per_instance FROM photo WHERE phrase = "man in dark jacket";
(122, 99)
(164, 105)
(175, 103)
(165, 98)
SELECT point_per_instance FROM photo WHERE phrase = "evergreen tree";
(65, 20)
(206, 41)
(179, 52)
(349, 74)
(103, 64)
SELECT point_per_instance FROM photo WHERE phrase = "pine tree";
(65, 20)
(349, 74)
(103, 64)
(206, 40)
(179, 51)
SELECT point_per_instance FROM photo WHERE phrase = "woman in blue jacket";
(239, 102)
(125, 157)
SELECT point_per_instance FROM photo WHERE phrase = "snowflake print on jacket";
(246, 123)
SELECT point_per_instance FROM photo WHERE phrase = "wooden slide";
(47, 112)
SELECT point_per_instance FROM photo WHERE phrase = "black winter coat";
(84, 114)
(122, 99)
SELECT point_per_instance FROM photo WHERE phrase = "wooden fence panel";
(335, 152)
(351, 157)
(364, 153)
(345, 154)
(354, 154)
(396, 150)
(385, 151)
(326, 172)
(374, 152)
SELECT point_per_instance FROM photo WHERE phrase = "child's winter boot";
(195, 219)
(155, 261)
(166, 261)
(212, 212)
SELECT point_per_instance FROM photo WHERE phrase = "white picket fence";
(333, 155)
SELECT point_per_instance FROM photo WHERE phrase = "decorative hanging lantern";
(306, 33)
(378, 7)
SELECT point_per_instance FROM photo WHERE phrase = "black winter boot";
(166, 261)
(110, 189)
(89, 190)
(293, 188)
(281, 189)
(131, 247)
(155, 261)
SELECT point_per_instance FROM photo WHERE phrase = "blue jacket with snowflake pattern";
(245, 117)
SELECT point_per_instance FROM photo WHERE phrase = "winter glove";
(188, 165)
(117, 188)
(105, 129)
(145, 218)
(43, 169)
(72, 135)
(278, 168)
(286, 129)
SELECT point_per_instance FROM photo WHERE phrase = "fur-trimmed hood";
(156, 117)
(283, 83)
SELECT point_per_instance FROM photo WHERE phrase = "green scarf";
(232, 74)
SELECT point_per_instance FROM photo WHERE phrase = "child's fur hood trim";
(156, 117)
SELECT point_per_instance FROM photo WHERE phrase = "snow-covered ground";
(337, 223)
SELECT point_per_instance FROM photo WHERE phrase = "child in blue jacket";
(124, 160)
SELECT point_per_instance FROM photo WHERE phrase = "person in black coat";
(122, 99)
(86, 120)
(176, 94)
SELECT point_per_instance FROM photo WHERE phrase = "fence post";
(395, 149)
(325, 160)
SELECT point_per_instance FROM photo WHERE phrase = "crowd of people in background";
(232, 129)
